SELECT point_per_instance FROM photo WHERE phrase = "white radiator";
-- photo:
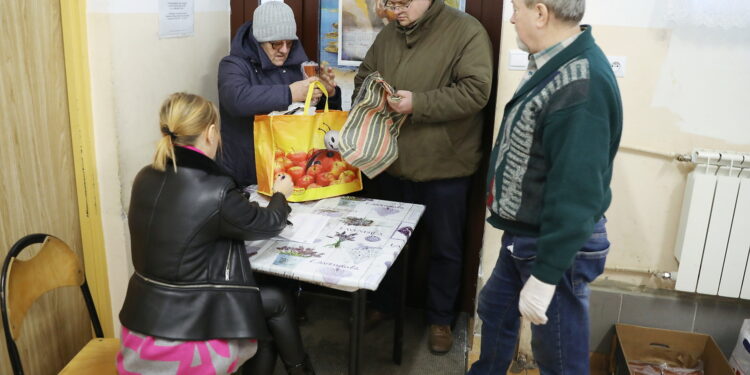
(713, 241)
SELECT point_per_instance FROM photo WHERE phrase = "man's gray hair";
(565, 10)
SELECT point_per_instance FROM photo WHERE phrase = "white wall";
(132, 72)
(685, 87)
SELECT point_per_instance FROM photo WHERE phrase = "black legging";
(287, 341)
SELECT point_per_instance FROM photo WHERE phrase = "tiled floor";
(598, 362)
(597, 368)
(525, 372)
(326, 337)
(536, 372)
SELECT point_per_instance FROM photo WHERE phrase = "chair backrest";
(23, 281)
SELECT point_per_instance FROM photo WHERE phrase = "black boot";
(304, 368)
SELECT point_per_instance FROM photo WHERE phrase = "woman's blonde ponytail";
(183, 117)
(164, 151)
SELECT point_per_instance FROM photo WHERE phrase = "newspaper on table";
(346, 243)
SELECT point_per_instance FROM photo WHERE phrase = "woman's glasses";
(277, 44)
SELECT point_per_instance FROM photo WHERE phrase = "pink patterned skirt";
(145, 355)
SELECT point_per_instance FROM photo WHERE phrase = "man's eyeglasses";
(394, 7)
(277, 44)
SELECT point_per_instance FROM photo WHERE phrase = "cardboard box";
(634, 343)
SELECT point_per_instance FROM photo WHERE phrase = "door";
(489, 13)
(37, 179)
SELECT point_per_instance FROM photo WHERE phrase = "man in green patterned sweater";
(548, 190)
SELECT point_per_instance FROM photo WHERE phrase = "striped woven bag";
(368, 139)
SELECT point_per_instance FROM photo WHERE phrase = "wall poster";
(360, 22)
(347, 29)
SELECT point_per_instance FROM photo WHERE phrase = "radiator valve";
(684, 157)
(666, 275)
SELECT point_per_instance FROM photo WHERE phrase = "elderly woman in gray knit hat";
(262, 74)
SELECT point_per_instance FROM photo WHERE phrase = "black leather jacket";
(192, 276)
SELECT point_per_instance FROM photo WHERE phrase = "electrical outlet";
(519, 60)
(618, 64)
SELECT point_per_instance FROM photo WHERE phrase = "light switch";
(519, 60)
(618, 64)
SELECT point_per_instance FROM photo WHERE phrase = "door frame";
(75, 48)
(490, 15)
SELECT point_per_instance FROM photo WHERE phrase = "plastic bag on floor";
(740, 359)
(648, 368)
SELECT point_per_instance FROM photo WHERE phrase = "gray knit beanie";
(274, 21)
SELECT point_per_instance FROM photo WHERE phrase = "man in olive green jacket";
(440, 61)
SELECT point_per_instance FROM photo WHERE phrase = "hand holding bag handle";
(298, 135)
(313, 86)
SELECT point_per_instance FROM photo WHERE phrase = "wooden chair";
(22, 282)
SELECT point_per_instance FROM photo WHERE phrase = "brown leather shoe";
(441, 339)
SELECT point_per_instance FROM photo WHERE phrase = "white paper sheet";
(176, 18)
(305, 227)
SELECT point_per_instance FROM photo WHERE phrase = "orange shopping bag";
(304, 147)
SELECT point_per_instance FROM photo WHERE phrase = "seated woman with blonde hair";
(192, 305)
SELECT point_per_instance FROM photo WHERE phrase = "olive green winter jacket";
(445, 59)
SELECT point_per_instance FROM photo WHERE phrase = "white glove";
(535, 299)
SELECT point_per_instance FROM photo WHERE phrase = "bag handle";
(310, 90)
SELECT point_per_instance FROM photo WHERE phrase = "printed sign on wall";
(176, 18)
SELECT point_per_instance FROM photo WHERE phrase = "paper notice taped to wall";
(176, 18)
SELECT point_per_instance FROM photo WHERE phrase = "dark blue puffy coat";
(249, 84)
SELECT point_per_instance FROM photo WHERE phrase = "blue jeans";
(561, 347)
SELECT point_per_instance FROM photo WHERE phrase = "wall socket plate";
(519, 60)
(618, 64)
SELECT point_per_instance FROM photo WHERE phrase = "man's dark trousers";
(442, 225)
